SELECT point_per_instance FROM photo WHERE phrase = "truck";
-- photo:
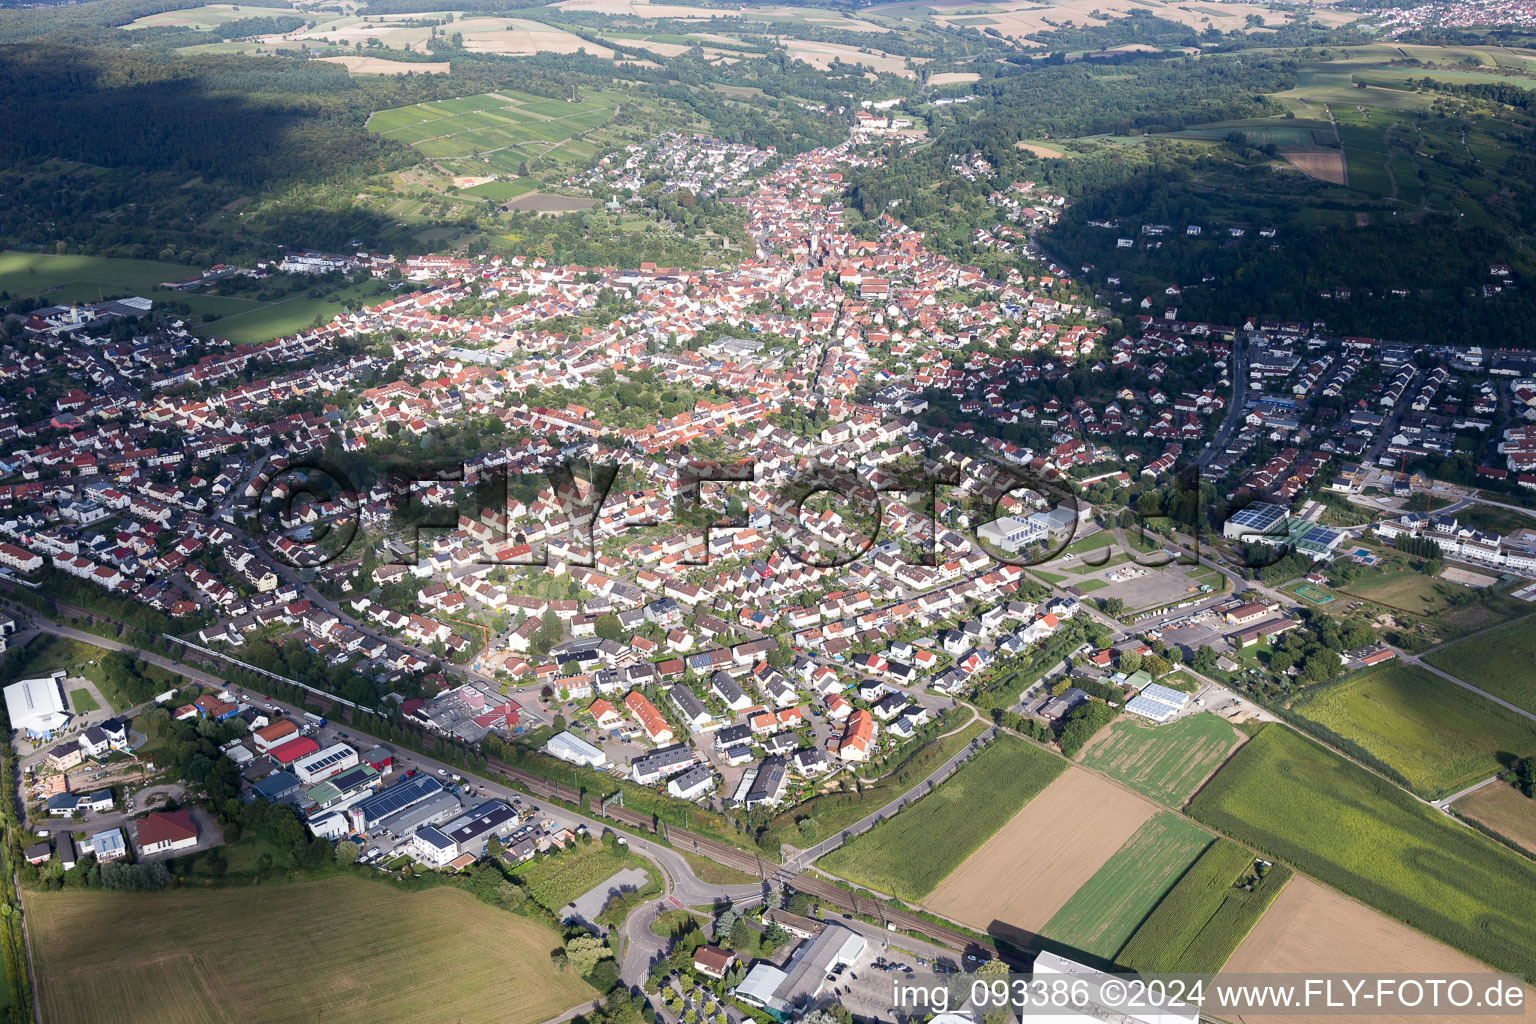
(312, 719)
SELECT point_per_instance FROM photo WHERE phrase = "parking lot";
(1150, 588)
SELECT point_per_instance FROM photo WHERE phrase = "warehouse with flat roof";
(569, 747)
(1158, 703)
(366, 814)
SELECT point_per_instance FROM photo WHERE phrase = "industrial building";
(784, 993)
(37, 707)
(366, 815)
(569, 747)
(322, 764)
(1158, 703)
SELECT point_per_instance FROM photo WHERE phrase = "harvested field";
(822, 55)
(953, 77)
(1323, 164)
(380, 66)
(1018, 18)
(1005, 882)
(439, 955)
(1166, 762)
(1047, 152)
(207, 17)
(1504, 809)
(543, 202)
(1313, 928)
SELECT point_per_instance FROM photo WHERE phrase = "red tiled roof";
(287, 753)
(166, 826)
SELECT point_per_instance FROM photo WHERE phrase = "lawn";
(707, 870)
(558, 878)
(910, 854)
(1103, 913)
(1204, 918)
(1092, 542)
(1299, 803)
(1165, 762)
(1402, 589)
(340, 950)
(1435, 734)
(1498, 661)
(82, 701)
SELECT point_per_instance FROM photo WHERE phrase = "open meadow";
(1200, 922)
(1105, 910)
(340, 950)
(1296, 801)
(1498, 661)
(1025, 873)
(1166, 762)
(1437, 735)
(911, 853)
(1311, 928)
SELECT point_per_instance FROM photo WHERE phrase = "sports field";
(1201, 921)
(1166, 762)
(1498, 661)
(1437, 735)
(340, 950)
(1025, 873)
(1302, 804)
(1104, 912)
(1504, 809)
(911, 853)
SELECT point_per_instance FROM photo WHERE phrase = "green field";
(1299, 803)
(1092, 542)
(500, 132)
(1164, 762)
(60, 280)
(82, 702)
(1437, 735)
(1498, 661)
(1204, 918)
(557, 879)
(909, 855)
(344, 950)
(265, 321)
(1103, 913)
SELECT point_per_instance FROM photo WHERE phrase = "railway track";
(826, 892)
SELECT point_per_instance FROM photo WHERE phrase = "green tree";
(584, 951)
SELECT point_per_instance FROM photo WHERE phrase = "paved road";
(1445, 804)
(1234, 408)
